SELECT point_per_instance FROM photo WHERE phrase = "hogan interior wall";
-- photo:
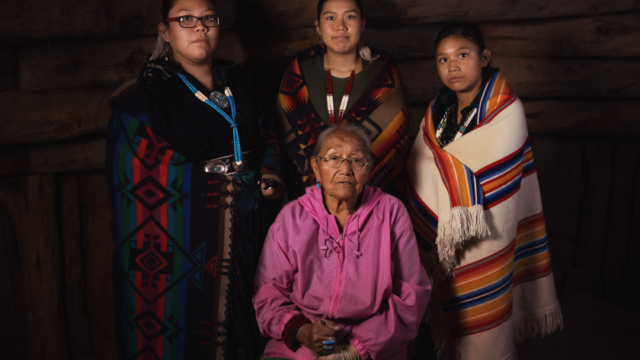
(573, 63)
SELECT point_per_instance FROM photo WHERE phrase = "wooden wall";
(574, 63)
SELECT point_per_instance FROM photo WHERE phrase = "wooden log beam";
(82, 63)
(31, 203)
(32, 19)
(111, 62)
(97, 63)
(29, 19)
(290, 13)
(73, 156)
(564, 78)
(590, 36)
(568, 118)
(583, 118)
(52, 115)
(78, 155)
(8, 68)
(573, 118)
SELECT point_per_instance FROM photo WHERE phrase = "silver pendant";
(219, 99)
(216, 166)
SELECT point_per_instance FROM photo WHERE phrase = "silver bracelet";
(298, 334)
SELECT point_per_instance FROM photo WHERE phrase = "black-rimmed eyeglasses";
(334, 161)
(189, 21)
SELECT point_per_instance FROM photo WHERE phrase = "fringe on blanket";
(464, 224)
(539, 324)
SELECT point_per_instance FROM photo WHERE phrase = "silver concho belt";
(226, 165)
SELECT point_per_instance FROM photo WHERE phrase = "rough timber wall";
(574, 63)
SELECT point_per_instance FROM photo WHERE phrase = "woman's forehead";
(344, 141)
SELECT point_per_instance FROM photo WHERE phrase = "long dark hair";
(468, 30)
(167, 5)
(358, 3)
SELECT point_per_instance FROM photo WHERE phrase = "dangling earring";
(365, 185)
(318, 185)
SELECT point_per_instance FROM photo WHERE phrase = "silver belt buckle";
(216, 167)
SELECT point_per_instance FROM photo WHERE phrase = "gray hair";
(354, 129)
(365, 52)
(163, 49)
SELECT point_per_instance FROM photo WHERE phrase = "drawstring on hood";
(331, 238)
(357, 252)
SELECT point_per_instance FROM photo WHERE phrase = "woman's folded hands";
(319, 337)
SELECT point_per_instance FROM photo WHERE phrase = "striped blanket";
(477, 214)
(381, 110)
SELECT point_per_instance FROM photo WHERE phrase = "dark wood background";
(574, 63)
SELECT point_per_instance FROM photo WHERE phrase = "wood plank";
(621, 231)
(290, 13)
(558, 165)
(74, 266)
(591, 36)
(82, 63)
(73, 156)
(31, 201)
(52, 115)
(583, 118)
(570, 118)
(15, 160)
(562, 78)
(98, 242)
(97, 63)
(110, 62)
(78, 155)
(8, 68)
(594, 209)
(628, 297)
(29, 19)
(12, 318)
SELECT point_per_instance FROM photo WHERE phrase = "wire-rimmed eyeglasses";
(335, 161)
(189, 21)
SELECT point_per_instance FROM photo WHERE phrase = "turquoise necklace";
(237, 150)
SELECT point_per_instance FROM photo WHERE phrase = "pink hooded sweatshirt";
(368, 280)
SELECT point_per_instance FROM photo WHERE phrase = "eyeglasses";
(189, 21)
(334, 161)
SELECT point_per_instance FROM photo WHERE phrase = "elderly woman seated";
(340, 275)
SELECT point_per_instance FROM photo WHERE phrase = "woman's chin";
(342, 48)
(344, 192)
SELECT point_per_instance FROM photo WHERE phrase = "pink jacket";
(369, 280)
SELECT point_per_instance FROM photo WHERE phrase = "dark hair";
(167, 5)
(358, 3)
(469, 31)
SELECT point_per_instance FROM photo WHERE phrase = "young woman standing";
(341, 81)
(475, 205)
(187, 147)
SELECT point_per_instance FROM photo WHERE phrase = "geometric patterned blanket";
(381, 110)
(493, 288)
(171, 264)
